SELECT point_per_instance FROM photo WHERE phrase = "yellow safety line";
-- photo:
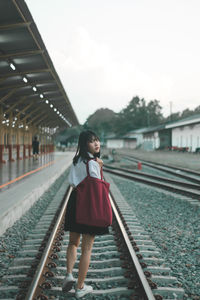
(26, 174)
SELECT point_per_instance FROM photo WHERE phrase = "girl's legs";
(74, 241)
(86, 249)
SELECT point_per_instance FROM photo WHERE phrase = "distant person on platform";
(35, 146)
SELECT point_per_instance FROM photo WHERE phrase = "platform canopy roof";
(29, 84)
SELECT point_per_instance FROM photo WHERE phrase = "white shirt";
(78, 172)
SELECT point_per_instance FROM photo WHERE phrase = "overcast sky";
(106, 52)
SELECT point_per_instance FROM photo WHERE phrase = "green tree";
(155, 116)
(138, 114)
(181, 115)
(69, 135)
(197, 110)
(101, 122)
(173, 117)
(187, 113)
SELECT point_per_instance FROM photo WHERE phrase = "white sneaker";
(79, 293)
(68, 283)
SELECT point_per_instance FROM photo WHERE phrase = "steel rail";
(157, 184)
(162, 168)
(35, 283)
(167, 166)
(36, 280)
(160, 178)
(133, 255)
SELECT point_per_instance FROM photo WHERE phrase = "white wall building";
(186, 133)
(115, 143)
(130, 143)
(151, 141)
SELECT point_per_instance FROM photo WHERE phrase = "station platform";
(23, 182)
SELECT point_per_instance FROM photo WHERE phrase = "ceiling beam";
(19, 54)
(13, 73)
(26, 84)
(44, 123)
(23, 99)
(36, 117)
(14, 25)
(23, 110)
(4, 98)
(31, 113)
(48, 124)
(44, 116)
(57, 122)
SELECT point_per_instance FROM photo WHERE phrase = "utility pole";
(148, 119)
(170, 110)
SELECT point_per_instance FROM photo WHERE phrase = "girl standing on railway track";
(88, 149)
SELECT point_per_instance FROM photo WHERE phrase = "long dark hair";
(82, 150)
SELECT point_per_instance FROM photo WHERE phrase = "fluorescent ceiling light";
(12, 66)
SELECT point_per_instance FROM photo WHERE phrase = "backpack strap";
(87, 168)
(101, 170)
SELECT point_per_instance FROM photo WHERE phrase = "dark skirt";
(70, 220)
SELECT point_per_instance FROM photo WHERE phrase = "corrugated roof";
(185, 121)
(146, 129)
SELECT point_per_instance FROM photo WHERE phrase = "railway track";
(183, 188)
(124, 265)
(186, 174)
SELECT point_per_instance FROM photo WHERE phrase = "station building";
(148, 138)
(33, 101)
(181, 135)
(127, 141)
(185, 133)
(114, 141)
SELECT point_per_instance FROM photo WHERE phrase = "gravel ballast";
(173, 224)
(11, 241)
(152, 171)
